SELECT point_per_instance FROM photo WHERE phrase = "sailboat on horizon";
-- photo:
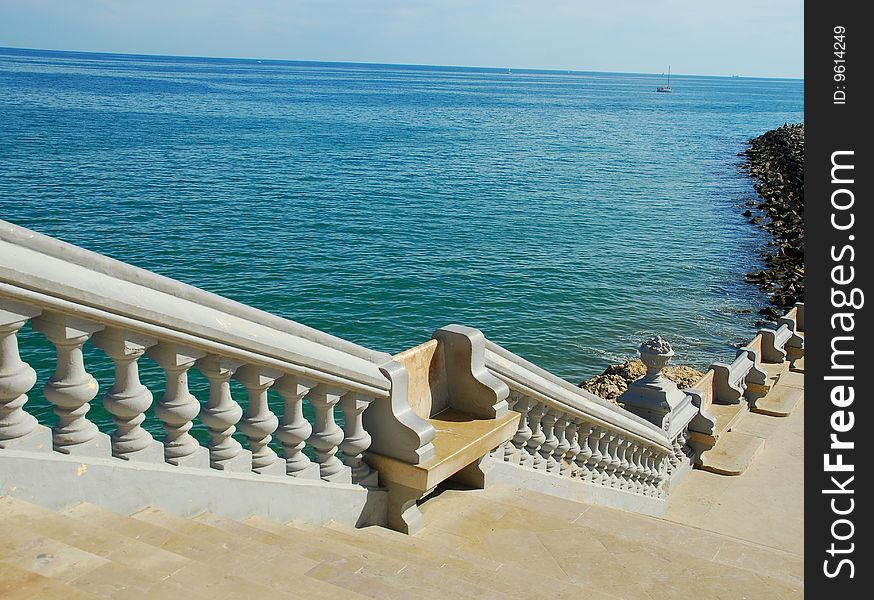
(667, 87)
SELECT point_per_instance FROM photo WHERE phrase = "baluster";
(586, 430)
(574, 448)
(327, 435)
(646, 477)
(537, 437)
(662, 477)
(128, 399)
(71, 388)
(656, 467)
(356, 439)
(604, 447)
(294, 429)
(624, 466)
(563, 445)
(177, 406)
(523, 434)
(612, 476)
(221, 415)
(550, 442)
(634, 483)
(597, 457)
(674, 456)
(18, 428)
(259, 422)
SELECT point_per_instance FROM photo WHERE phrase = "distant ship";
(667, 87)
(509, 72)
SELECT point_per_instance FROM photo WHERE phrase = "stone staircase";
(734, 450)
(495, 543)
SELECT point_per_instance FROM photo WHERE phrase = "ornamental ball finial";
(656, 345)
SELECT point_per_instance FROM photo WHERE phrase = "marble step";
(374, 570)
(727, 416)
(19, 583)
(775, 371)
(439, 558)
(85, 559)
(565, 541)
(780, 401)
(733, 453)
(214, 566)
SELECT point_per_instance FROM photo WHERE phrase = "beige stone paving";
(765, 505)
(722, 537)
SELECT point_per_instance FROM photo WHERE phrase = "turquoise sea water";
(567, 215)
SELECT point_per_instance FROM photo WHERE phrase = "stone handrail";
(553, 391)
(567, 431)
(72, 296)
(730, 381)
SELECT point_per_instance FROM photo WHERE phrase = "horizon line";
(369, 63)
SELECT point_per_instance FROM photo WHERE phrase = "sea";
(568, 215)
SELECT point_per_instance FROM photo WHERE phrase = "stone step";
(440, 558)
(408, 567)
(372, 566)
(793, 379)
(733, 453)
(797, 365)
(775, 371)
(364, 571)
(18, 583)
(114, 547)
(727, 415)
(780, 401)
(619, 554)
(85, 558)
(212, 566)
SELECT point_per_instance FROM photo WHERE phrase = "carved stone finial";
(654, 396)
(657, 345)
(655, 354)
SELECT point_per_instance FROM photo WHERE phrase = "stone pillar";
(653, 396)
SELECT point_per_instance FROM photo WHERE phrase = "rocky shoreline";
(776, 159)
(615, 379)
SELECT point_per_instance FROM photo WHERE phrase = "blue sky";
(706, 37)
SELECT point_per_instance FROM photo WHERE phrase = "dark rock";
(776, 159)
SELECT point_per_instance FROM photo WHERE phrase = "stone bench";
(449, 388)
